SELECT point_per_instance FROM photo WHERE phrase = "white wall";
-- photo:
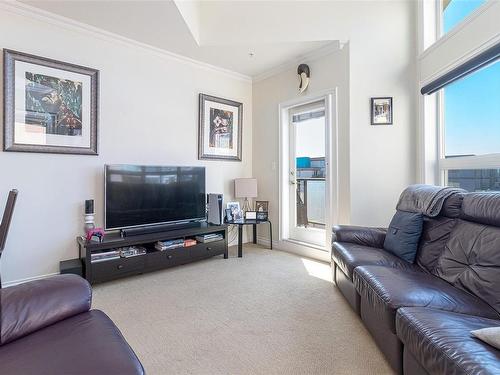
(375, 162)
(148, 115)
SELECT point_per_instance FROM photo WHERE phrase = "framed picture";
(229, 215)
(250, 215)
(50, 106)
(235, 210)
(261, 215)
(262, 206)
(220, 128)
(381, 111)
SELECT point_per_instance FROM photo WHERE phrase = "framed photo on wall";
(50, 106)
(381, 111)
(220, 128)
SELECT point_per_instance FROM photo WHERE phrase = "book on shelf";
(190, 242)
(169, 244)
(209, 237)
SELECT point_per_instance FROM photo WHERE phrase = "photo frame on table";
(235, 210)
(220, 128)
(262, 206)
(50, 106)
(262, 215)
(381, 111)
(250, 215)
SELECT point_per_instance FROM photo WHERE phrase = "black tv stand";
(159, 228)
(153, 260)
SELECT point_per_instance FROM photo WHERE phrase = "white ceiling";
(219, 33)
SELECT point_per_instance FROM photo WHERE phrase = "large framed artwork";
(220, 128)
(49, 106)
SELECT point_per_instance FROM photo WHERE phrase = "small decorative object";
(250, 215)
(50, 106)
(304, 74)
(220, 127)
(381, 111)
(262, 206)
(89, 215)
(245, 188)
(261, 215)
(229, 216)
(235, 210)
(96, 234)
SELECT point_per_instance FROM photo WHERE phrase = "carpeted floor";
(269, 312)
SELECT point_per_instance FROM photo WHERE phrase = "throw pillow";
(403, 235)
(490, 335)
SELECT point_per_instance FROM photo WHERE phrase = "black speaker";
(214, 208)
(73, 266)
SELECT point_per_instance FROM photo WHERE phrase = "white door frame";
(331, 152)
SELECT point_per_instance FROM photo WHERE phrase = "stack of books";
(170, 244)
(101, 257)
(190, 242)
(209, 237)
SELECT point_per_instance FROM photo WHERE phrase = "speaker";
(214, 208)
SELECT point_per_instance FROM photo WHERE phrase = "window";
(454, 11)
(470, 131)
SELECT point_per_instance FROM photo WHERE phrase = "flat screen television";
(140, 195)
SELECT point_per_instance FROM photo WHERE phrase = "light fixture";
(245, 188)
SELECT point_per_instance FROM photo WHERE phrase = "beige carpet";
(269, 312)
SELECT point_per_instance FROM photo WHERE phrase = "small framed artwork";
(229, 215)
(220, 128)
(50, 106)
(381, 111)
(262, 206)
(261, 215)
(250, 215)
(235, 210)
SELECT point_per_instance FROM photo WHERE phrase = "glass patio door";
(307, 174)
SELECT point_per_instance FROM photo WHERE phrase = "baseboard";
(296, 248)
(20, 281)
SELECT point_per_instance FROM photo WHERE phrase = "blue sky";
(472, 104)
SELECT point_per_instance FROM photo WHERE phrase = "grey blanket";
(425, 199)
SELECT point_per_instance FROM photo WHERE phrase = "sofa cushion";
(471, 261)
(442, 343)
(483, 208)
(387, 289)
(435, 235)
(348, 256)
(403, 235)
(87, 343)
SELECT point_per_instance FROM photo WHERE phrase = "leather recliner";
(421, 314)
(47, 327)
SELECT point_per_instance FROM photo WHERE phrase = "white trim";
(306, 58)
(70, 24)
(33, 278)
(297, 248)
(444, 38)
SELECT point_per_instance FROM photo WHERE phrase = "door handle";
(292, 182)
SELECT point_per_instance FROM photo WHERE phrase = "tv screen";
(138, 195)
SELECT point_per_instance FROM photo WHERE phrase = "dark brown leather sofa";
(421, 314)
(47, 327)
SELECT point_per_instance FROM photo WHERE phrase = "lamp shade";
(245, 188)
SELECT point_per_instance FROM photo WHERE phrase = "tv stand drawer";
(167, 258)
(207, 249)
(117, 268)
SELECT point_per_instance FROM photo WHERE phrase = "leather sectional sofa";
(421, 314)
(47, 327)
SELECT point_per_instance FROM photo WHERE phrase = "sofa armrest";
(373, 237)
(31, 306)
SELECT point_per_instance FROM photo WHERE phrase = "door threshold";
(306, 244)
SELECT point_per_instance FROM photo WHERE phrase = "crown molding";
(25, 10)
(305, 58)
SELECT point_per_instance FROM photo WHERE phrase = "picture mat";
(206, 129)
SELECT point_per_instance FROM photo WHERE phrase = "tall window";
(470, 131)
(454, 11)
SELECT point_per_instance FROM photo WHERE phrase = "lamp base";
(246, 206)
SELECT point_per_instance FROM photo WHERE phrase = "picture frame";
(381, 111)
(250, 215)
(50, 106)
(235, 210)
(219, 128)
(262, 215)
(229, 216)
(262, 206)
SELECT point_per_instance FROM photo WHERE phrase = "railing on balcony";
(310, 184)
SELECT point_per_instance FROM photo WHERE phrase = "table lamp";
(245, 188)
